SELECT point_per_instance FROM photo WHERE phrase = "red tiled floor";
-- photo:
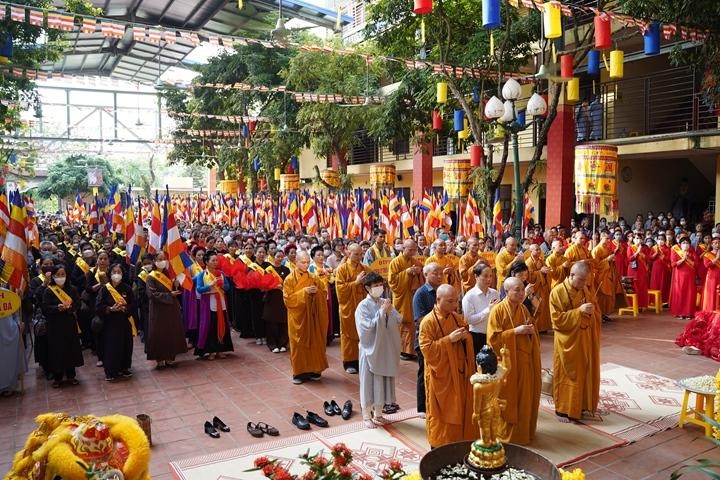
(254, 385)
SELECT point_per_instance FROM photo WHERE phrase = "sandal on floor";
(265, 428)
(254, 430)
(55, 384)
(74, 381)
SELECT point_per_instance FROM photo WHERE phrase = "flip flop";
(254, 430)
(265, 428)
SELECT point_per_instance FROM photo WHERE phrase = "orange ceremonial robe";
(307, 322)
(448, 261)
(349, 294)
(606, 280)
(558, 266)
(467, 277)
(403, 286)
(522, 388)
(576, 359)
(448, 367)
(542, 290)
(503, 261)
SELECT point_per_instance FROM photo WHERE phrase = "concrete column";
(560, 199)
(422, 169)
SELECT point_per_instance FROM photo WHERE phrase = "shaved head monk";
(404, 277)
(350, 292)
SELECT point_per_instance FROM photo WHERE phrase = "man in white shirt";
(477, 303)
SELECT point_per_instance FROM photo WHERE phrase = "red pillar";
(338, 162)
(422, 169)
(560, 200)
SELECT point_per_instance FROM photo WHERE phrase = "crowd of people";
(435, 303)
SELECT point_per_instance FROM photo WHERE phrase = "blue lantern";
(245, 131)
(256, 163)
(294, 163)
(6, 49)
(13, 159)
(476, 94)
(520, 120)
(593, 65)
(652, 39)
(491, 14)
(459, 120)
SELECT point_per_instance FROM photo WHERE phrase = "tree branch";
(542, 140)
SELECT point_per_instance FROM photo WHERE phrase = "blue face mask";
(678, 230)
(444, 236)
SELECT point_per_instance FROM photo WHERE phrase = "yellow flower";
(576, 474)
(413, 476)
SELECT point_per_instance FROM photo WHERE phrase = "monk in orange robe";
(504, 259)
(448, 262)
(350, 292)
(539, 276)
(468, 262)
(446, 345)
(557, 263)
(578, 252)
(606, 281)
(404, 277)
(307, 312)
(510, 326)
(575, 317)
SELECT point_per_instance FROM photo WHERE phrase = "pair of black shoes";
(303, 422)
(212, 428)
(333, 408)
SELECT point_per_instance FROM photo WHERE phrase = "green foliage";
(69, 176)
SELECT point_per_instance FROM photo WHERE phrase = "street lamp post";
(506, 116)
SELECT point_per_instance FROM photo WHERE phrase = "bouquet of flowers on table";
(321, 467)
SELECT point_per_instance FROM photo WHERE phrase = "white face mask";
(377, 291)
(116, 277)
(88, 253)
(661, 242)
(60, 281)
(685, 246)
(162, 264)
(147, 268)
(637, 241)
(327, 253)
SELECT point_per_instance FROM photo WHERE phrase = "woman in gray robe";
(12, 354)
(378, 326)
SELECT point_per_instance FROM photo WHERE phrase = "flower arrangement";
(320, 467)
(576, 474)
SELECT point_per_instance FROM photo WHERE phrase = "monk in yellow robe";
(404, 277)
(505, 258)
(350, 292)
(539, 276)
(306, 303)
(467, 262)
(448, 262)
(446, 345)
(575, 318)
(510, 326)
(606, 279)
(557, 264)
(578, 252)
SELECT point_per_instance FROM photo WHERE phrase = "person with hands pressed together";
(95, 278)
(447, 261)
(349, 283)
(449, 362)
(467, 264)
(505, 258)
(682, 285)
(115, 304)
(477, 304)
(274, 311)
(511, 326)
(405, 277)
(214, 326)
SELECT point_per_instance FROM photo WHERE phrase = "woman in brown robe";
(165, 331)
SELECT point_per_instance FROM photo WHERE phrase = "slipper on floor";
(267, 429)
(253, 430)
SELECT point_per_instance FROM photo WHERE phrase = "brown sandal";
(254, 430)
(265, 428)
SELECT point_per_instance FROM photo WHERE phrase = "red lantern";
(566, 65)
(545, 97)
(485, 117)
(252, 124)
(476, 155)
(5, 169)
(263, 184)
(603, 27)
(437, 123)
(421, 7)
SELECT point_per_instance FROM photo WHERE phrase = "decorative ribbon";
(121, 301)
(210, 279)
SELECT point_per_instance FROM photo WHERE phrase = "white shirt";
(476, 307)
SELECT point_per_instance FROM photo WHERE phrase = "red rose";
(395, 465)
(345, 472)
(261, 462)
(268, 470)
(320, 461)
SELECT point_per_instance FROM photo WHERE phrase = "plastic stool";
(656, 297)
(633, 310)
(704, 403)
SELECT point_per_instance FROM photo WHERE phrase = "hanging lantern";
(276, 174)
(13, 158)
(5, 169)
(476, 95)
(572, 91)
(603, 27)
(494, 108)
(552, 20)
(566, 65)
(617, 58)
(252, 124)
(536, 105)
(459, 120)
(437, 123)
(294, 163)
(256, 163)
(289, 182)
(476, 155)
(520, 120)
(546, 98)
(508, 112)
(442, 92)
(652, 39)
(462, 135)
(499, 131)
(593, 65)
(6, 49)
(245, 131)
(382, 176)
(421, 7)
(289, 168)
(491, 14)
(456, 177)
(331, 177)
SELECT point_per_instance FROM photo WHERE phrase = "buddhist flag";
(14, 252)
(154, 244)
(408, 227)
(179, 261)
(529, 210)
(497, 213)
(4, 217)
(132, 248)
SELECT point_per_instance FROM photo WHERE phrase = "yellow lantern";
(499, 132)
(276, 174)
(572, 92)
(552, 20)
(617, 57)
(462, 135)
(442, 92)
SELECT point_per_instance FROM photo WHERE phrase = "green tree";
(69, 176)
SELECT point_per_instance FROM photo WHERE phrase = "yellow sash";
(82, 265)
(163, 279)
(210, 279)
(250, 264)
(71, 251)
(680, 253)
(42, 277)
(271, 269)
(96, 244)
(119, 251)
(120, 300)
(65, 299)
(97, 274)
(143, 275)
(378, 253)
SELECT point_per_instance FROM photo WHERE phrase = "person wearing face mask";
(60, 303)
(214, 326)
(619, 247)
(36, 289)
(637, 256)
(711, 260)
(94, 280)
(165, 336)
(115, 304)
(661, 271)
(274, 311)
(378, 328)
(682, 286)
(146, 266)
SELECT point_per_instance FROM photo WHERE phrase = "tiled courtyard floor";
(254, 385)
